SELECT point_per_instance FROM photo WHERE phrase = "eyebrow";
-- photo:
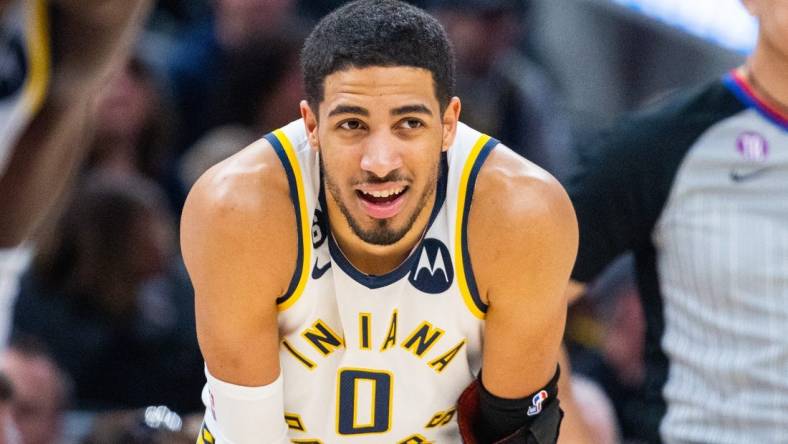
(349, 109)
(408, 109)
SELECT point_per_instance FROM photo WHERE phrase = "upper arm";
(523, 240)
(239, 246)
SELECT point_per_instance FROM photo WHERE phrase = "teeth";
(385, 193)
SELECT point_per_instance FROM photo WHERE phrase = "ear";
(310, 122)
(450, 119)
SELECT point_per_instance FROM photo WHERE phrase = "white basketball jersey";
(371, 359)
(24, 69)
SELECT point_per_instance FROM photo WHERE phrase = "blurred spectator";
(109, 299)
(217, 145)
(198, 64)
(315, 10)
(54, 56)
(262, 84)
(133, 126)
(8, 431)
(40, 391)
(606, 337)
(170, 16)
(260, 88)
(504, 93)
(625, 337)
(597, 410)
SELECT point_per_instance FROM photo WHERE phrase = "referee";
(697, 189)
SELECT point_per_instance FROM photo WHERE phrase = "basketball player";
(54, 55)
(355, 269)
(698, 189)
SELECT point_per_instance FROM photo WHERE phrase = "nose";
(381, 156)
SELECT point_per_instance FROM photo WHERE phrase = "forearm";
(245, 388)
(44, 160)
(92, 38)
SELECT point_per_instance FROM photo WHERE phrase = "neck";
(375, 259)
(766, 72)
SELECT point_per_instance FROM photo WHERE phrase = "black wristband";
(500, 417)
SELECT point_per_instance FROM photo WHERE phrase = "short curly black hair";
(366, 33)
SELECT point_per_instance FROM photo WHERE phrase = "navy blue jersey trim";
(735, 86)
(373, 282)
(291, 182)
(466, 209)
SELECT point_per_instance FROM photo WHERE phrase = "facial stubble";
(382, 233)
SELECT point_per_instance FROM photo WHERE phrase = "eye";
(411, 123)
(351, 125)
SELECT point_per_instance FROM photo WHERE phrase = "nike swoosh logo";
(318, 272)
(743, 176)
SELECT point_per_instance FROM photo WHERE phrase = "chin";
(381, 232)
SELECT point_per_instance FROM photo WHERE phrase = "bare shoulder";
(520, 214)
(239, 242)
(519, 198)
(242, 183)
(239, 216)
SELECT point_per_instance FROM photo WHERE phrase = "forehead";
(379, 86)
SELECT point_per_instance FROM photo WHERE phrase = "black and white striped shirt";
(697, 188)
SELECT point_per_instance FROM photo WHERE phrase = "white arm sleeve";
(236, 414)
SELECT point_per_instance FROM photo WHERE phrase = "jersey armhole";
(284, 150)
(465, 278)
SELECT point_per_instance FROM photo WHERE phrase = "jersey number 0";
(363, 401)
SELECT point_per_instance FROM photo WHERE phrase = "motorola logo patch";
(433, 272)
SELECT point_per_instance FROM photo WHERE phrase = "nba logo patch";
(536, 403)
(752, 146)
(433, 272)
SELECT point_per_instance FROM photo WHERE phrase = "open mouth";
(382, 204)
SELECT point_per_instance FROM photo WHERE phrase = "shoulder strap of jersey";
(284, 149)
(482, 146)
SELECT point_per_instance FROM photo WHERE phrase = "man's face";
(380, 137)
(772, 16)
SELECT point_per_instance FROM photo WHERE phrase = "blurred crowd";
(104, 349)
